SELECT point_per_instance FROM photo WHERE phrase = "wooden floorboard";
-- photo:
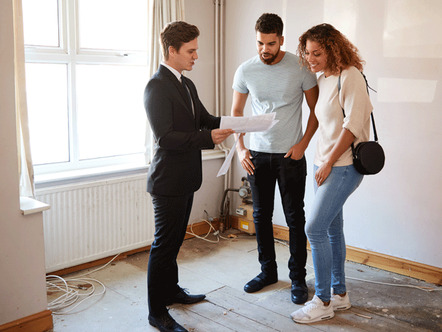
(246, 306)
(228, 319)
(220, 271)
(193, 319)
(227, 309)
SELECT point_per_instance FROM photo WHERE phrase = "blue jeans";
(290, 174)
(325, 229)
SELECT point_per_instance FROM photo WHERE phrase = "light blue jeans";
(325, 229)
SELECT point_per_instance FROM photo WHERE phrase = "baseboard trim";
(39, 322)
(199, 228)
(398, 265)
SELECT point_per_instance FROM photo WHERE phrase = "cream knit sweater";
(357, 105)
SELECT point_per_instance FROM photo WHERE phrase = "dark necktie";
(183, 83)
(185, 88)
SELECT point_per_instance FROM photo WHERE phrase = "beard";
(269, 61)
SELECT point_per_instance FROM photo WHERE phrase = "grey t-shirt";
(275, 88)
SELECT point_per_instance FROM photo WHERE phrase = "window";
(86, 69)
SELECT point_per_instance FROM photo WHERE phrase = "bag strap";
(343, 112)
(375, 134)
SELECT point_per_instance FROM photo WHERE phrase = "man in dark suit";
(182, 127)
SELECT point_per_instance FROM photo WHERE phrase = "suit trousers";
(290, 175)
(171, 218)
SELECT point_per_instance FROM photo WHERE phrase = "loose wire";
(74, 291)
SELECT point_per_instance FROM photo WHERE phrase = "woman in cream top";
(323, 49)
(355, 100)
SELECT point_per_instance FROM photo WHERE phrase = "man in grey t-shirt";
(276, 83)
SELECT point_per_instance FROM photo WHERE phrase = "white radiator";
(89, 221)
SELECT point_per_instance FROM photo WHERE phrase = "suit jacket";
(176, 168)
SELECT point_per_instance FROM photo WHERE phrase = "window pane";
(46, 86)
(110, 113)
(40, 22)
(113, 24)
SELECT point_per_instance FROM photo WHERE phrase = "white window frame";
(70, 54)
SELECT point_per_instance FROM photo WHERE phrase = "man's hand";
(219, 135)
(246, 162)
(296, 152)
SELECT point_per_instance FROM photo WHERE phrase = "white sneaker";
(340, 303)
(313, 311)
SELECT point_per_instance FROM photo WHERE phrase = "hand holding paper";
(243, 124)
(219, 135)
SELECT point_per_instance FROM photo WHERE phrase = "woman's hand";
(322, 173)
(344, 141)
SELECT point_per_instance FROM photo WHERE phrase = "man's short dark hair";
(175, 34)
(269, 23)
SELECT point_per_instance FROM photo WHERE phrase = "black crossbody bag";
(368, 157)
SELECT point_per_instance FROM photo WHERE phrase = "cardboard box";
(246, 226)
(244, 213)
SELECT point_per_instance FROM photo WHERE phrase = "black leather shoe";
(259, 282)
(299, 292)
(165, 323)
(183, 297)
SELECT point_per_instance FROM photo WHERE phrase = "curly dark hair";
(341, 53)
(269, 23)
(175, 34)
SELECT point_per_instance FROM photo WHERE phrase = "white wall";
(397, 212)
(201, 13)
(22, 287)
(209, 196)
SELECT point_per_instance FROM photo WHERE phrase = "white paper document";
(244, 124)
(226, 164)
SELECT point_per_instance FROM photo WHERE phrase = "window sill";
(96, 173)
(30, 205)
(99, 173)
(213, 154)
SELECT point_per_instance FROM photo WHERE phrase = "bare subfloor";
(221, 269)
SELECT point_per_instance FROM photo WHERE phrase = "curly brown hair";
(341, 53)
